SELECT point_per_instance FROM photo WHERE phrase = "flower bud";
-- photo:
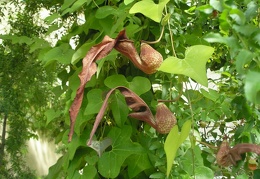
(165, 119)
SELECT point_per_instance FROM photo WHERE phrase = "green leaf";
(173, 142)
(17, 39)
(251, 10)
(55, 170)
(62, 54)
(95, 101)
(256, 173)
(110, 163)
(119, 108)
(67, 4)
(89, 171)
(139, 85)
(51, 18)
(210, 94)
(216, 37)
(252, 87)
(105, 11)
(232, 42)
(246, 30)
(157, 175)
(243, 58)
(238, 16)
(154, 11)
(77, 142)
(193, 65)
(138, 163)
(38, 44)
(51, 114)
(82, 51)
(128, 1)
(216, 5)
(165, 19)
(203, 172)
(194, 153)
(207, 9)
(116, 80)
(76, 5)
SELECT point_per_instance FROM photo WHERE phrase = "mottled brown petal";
(227, 156)
(223, 154)
(165, 119)
(88, 70)
(141, 110)
(151, 59)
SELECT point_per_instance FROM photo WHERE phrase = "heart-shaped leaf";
(193, 65)
(95, 101)
(139, 85)
(154, 11)
(122, 147)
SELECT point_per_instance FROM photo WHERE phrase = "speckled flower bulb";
(151, 59)
(165, 119)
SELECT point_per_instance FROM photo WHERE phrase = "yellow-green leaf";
(154, 11)
(173, 142)
(193, 65)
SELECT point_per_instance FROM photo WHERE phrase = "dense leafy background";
(205, 115)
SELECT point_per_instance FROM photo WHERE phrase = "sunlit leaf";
(238, 16)
(207, 9)
(216, 5)
(154, 11)
(251, 10)
(203, 172)
(173, 142)
(193, 65)
(51, 18)
(128, 1)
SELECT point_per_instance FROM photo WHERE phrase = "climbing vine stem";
(192, 127)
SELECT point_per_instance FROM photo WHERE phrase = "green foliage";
(198, 37)
(137, 151)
